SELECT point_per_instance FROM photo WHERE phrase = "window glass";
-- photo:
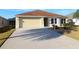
(52, 21)
(55, 20)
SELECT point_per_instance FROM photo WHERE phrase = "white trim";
(42, 22)
(32, 16)
(17, 22)
(49, 22)
(39, 16)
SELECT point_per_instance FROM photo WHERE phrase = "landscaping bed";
(69, 30)
(73, 33)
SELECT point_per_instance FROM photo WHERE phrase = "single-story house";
(76, 21)
(39, 19)
(3, 22)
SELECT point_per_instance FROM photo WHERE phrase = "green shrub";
(69, 25)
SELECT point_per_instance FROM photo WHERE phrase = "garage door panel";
(31, 23)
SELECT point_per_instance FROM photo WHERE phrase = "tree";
(12, 22)
(76, 14)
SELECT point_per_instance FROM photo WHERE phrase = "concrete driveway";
(39, 38)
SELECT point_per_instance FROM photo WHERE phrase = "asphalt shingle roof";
(41, 13)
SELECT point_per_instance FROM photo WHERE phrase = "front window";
(52, 21)
(63, 21)
(55, 21)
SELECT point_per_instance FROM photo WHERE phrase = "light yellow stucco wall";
(30, 22)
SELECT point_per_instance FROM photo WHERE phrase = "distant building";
(3, 22)
(75, 20)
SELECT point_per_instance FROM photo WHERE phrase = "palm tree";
(76, 14)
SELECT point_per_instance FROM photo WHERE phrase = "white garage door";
(31, 23)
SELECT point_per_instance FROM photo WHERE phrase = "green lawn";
(5, 35)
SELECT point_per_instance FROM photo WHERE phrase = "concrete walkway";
(39, 38)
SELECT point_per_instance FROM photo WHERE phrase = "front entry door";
(45, 21)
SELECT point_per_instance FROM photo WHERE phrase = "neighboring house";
(3, 22)
(75, 20)
(39, 19)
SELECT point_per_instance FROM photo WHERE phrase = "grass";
(73, 34)
(5, 35)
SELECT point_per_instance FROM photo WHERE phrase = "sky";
(10, 13)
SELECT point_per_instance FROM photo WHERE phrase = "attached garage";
(30, 22)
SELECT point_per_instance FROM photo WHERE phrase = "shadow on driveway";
(38, 34)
